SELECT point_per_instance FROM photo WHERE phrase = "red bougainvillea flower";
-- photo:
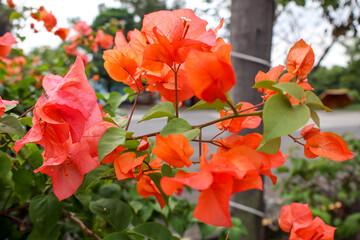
(172, 35)
(211, 73)
(174, 149)
(297, 219)
(10, 4)
(235, 125)
(146, 187)
(125, 164)
(123, 62)
(62, 33)
(328, 145)
(272, 75)
(6, 41)
(83, 28)
(232, 171)
(309, 131)
(105, 41)
(143, 145)
(300, 59)
(4, 103)
(49, 20)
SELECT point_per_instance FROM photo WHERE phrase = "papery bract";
(105, 41)
(83, 28)
(174, 149)
(6, 41)
(4, 103)
(211, 73)
(300, 59)
(62, 33)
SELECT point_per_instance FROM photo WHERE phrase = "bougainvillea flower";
(144, 144)
(165, 85)
(75, 84)
(71, 49)
(233, 171)
(147, 188)
(235, 125)
(6, 41)
(172, 35)
(10, 4)
(309, 131)
(297, 219)
(211, 73)
(105, 41)
(83, 28)
(272, 75)
(174, 149)
(62, 33)
(125, 164)
(110, 158)
(300, 59)
(4, 103)
(328, 145)
(49, 20)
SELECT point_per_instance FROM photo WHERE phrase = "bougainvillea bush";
(71, 170)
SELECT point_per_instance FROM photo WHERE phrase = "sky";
(307, 25)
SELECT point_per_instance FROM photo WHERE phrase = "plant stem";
(82, 226)
(295, 140)
(176, 94)
(132, 110)
(29, 110)
(200, 142)
(232, 107)
(258, 113)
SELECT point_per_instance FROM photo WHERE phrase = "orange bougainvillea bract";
(300, 59)
(297, 219)
(6, 41)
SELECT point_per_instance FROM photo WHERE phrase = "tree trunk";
(250, 33)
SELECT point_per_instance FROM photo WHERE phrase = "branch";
(86, 230)
(132, 110)
(326, 51)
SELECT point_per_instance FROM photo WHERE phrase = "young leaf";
(114, 211)
(164, 109)
(292, 89)
(267, 84)
(312, 99)
(112, 138)
(116, 99)
(176, 125)
(281, 118)
(11, 125)
(270, 147)
(153, 231)
(121, 122)
(315, 117)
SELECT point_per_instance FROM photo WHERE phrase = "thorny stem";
(86, 230)
(132, 110)
(29, 110)
(295, 140)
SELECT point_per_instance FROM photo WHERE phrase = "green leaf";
(292, 89)
(27, 121)
(5, 164)
(312, 99)
(166, 170)
(192, 134)
(267, 84)
(176, 126)
(315, 117)
(112, 138)
(156, 177)
(115, 99)
(121, 122)
(117, 236)
(114, 211)
(164, 109)
(14, 15)
(24, 181)
(153, 231)
(95, 175)
(217, 104)
(281, 118)
(11, 125)
(271, 147)
(45, 211)
(130, 92)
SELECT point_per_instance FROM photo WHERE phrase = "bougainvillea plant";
(84, 150)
